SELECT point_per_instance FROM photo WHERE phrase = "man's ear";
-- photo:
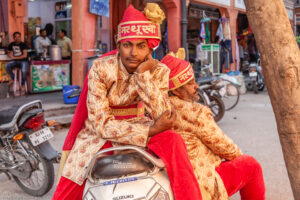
(176, 92)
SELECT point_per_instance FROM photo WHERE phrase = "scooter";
(130, 174)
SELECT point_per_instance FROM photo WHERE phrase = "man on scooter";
(207, 145)
(112, 108)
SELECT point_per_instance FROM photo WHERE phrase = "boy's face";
(188, 92)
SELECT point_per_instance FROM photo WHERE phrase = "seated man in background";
(207, 145)
(17, 51)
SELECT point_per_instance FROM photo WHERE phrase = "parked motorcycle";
(133, 174)
(253, 77)
(25, 153)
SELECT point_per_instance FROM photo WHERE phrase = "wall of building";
(4, 16)
(43, 9)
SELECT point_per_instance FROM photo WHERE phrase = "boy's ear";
(176, 92)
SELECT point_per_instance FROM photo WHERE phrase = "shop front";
(46, 61)
(209, 37)
(203, 22)
(213, 24)
(49, 68)
(29, 17)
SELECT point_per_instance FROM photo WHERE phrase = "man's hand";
(148, 64)
(163, 123)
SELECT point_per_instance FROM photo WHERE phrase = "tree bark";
(281, 68)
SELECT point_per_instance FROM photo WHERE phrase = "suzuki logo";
(130, 196)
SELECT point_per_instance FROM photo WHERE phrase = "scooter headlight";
(252, 69)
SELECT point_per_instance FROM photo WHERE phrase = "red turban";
(135, 25)
(181, 71)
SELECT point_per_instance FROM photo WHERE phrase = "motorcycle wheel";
(261, 87)
(254, 85)
(217, 107)
(231, 100)
(202, 100)
(42, 175)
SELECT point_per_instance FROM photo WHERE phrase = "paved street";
(251, 125)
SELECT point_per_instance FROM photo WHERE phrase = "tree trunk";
(281, 68)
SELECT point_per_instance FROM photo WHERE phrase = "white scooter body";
(152, 185)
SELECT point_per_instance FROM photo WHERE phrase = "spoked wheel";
(231, 96)
(41, 178)
(203, 97)
(217, 107)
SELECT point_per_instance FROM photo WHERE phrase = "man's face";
(60, 34)
(133, 53)
(44, 34)
(188, 92)
(17, 38)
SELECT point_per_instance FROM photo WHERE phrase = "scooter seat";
(116, 166)
(7, 115)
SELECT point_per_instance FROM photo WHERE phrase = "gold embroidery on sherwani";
(206, 145)
(110, 84)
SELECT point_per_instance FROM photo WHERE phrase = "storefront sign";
(240, 4)
(49, 77)
(224, 2)
(198, 13)
(99, 7)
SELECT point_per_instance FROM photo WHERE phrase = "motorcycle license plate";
(253, 74)
(40, 136)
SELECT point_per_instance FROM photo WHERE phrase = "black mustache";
(133, 59)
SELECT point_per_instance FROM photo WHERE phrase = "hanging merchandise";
(202, 32)
(220, 31)
(226, 31)
(207, 33)
(225, 54)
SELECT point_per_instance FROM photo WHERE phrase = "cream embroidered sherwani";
(207, 145)
(110, 85)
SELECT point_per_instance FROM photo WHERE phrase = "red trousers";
(243, 174)
(170, 147)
